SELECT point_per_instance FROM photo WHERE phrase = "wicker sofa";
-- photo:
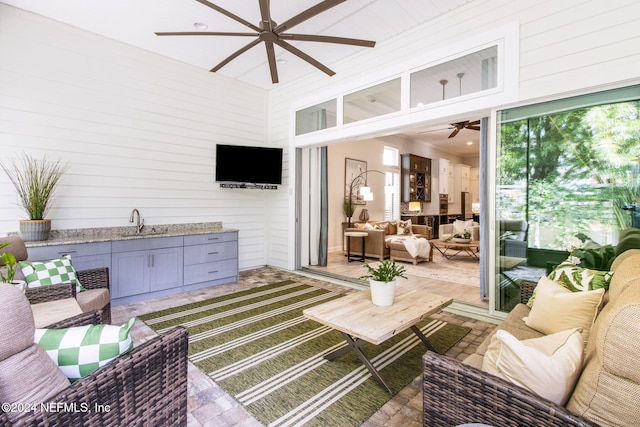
(376, 243)
(145, 387)
(605, 394)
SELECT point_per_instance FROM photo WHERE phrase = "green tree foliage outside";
(571, 172)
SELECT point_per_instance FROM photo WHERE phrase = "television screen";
(255, 165)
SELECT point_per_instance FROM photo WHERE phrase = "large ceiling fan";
(271, 34)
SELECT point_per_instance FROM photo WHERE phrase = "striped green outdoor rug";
(260, 349)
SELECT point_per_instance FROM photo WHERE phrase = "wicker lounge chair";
(144, 387)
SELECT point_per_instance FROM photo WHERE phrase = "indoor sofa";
(376, 244)
(607, 388)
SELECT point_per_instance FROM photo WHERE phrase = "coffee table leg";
(424, 339)
(354, 345)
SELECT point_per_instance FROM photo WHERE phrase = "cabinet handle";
(213, 253)
(213, 271)
(153, 260)
(66, 252)
(213, 238)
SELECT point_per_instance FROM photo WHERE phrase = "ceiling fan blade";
(203, 33)
(326, 39)
(454, 133)
(229, 14)
(271, 56)
(265, 14)
(235, 55)
(434, 130)
(473, 127)
(305, 57)
(307, 14)
(475, 122)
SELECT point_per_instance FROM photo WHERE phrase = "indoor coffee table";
(359, 321)
(449, 249)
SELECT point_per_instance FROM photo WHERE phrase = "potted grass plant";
(35, 181)
(382, 280)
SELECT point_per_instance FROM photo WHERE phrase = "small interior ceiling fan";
(271, 34)
(457, 127)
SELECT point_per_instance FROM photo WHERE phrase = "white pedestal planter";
(382, 292)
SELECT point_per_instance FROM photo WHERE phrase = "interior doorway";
(457, 144)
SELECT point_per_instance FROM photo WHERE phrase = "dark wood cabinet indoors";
(416, 178)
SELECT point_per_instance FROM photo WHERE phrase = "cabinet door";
(130, 273)
(165, 268)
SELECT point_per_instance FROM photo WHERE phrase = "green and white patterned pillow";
(52, 272)
(80, 350)
(577, 279)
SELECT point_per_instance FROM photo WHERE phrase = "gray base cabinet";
(146, 268)
(210, 259)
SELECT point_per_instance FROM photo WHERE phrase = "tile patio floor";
(209, 405)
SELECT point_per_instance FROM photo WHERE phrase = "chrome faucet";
(139, 223)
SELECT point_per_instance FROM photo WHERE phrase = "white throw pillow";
(548, 366)
(368, 226)
(459, 227)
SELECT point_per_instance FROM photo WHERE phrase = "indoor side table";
(351, 234)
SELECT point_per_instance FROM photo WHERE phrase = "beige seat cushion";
(513, 324)
(93, 299)
(608, 390)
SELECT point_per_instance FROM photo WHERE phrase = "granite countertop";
(106, 234)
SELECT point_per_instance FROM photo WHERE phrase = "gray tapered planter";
(35, 229)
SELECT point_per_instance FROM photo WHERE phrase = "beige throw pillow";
(404, 227)
(557, 308)
(548, 366)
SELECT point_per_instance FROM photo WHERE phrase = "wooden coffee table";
(450, 249)
(359, 321)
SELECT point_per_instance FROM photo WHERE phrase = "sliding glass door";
(567, 172)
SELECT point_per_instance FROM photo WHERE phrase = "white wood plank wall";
(138, 130)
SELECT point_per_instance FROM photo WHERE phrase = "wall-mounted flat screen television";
(244, 164)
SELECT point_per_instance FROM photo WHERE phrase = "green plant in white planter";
(35, 181)
(382, 280)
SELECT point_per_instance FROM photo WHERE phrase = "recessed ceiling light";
(419, 104)
(469, 142)
(281, 61)
(200, 26)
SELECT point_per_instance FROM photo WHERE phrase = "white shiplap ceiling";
(134, 22)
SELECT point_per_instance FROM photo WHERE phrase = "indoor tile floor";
(209, 405)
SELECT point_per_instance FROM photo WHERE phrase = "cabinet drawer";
(210, 271)
(212, 252)
(201, 239)
(45, 253)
